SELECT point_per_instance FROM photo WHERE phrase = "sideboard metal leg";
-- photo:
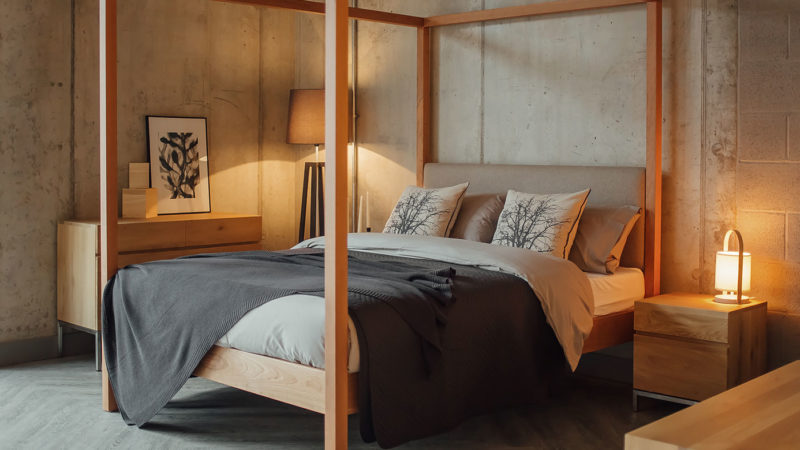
(60, 340)
(98, 347)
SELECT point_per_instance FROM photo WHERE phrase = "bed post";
(336, 134)
(108, 160)
(652, 262)
(423, 101)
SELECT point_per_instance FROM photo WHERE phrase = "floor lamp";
(307, 126)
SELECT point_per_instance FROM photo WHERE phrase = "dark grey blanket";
(439, 343)
(161, 318)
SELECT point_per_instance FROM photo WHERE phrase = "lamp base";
(731, 299)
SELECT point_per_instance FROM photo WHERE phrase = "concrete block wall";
(768, 166)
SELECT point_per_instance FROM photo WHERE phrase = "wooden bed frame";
(332, 391)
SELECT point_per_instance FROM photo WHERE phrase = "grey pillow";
(477, 219)
(601, 237)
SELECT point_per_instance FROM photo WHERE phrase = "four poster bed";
(337, 390)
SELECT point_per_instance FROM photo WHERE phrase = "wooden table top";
(762, 413)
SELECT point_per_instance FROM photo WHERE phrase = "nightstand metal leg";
(667, 398)
(97, 349)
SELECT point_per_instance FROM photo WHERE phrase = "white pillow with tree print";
(539, 222)
(426, 212)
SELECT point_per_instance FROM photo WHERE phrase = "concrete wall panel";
(567, 89)
(279, 185)
(36, 168)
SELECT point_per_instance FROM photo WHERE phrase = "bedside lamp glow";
(732, 272)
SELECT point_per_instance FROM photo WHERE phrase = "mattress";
(293, 328)
(616, 292)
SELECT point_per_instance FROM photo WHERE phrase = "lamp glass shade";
(306, 117)
(727, 272)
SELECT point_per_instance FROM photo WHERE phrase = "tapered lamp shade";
(727, 276)
(306, 117)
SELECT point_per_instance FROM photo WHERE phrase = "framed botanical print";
(178, 156)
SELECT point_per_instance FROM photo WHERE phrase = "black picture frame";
(177, 150)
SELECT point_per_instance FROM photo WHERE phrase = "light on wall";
(732, 272)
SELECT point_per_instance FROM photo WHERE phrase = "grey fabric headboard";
(611, 186)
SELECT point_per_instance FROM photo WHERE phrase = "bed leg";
(635, 401)
(109, 402)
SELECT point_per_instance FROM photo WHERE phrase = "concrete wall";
(569, 89)
(36, 155)
(565, 89)
(768, 165)
(514, 91)
(230, 63)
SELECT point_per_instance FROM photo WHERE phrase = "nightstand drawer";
(680, 321)
(680, 368)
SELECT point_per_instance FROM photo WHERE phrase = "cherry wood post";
(336, 134)
(423, 101)
(652, 261)
(108, 160)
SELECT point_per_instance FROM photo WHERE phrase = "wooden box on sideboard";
(139, 203)
(138, 175)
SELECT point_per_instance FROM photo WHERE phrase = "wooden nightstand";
(688, 348)
(140, 240)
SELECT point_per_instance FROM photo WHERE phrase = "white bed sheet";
(616, 292)
(293, 328)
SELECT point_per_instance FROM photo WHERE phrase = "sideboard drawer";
(223, 231)
(139, 236)
(140, 240)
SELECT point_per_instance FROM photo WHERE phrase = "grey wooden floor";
(56, 404)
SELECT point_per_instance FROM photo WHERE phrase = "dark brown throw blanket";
(497, 351)
(436, 347)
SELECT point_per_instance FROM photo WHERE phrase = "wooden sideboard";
(140, 240)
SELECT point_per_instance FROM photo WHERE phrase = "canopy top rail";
(369, 15)
(486, 15)
(537, 9)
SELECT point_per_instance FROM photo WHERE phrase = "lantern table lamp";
(732, 272)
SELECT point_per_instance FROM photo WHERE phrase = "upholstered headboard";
(611, 186)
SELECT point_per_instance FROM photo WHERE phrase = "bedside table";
(687, 348)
